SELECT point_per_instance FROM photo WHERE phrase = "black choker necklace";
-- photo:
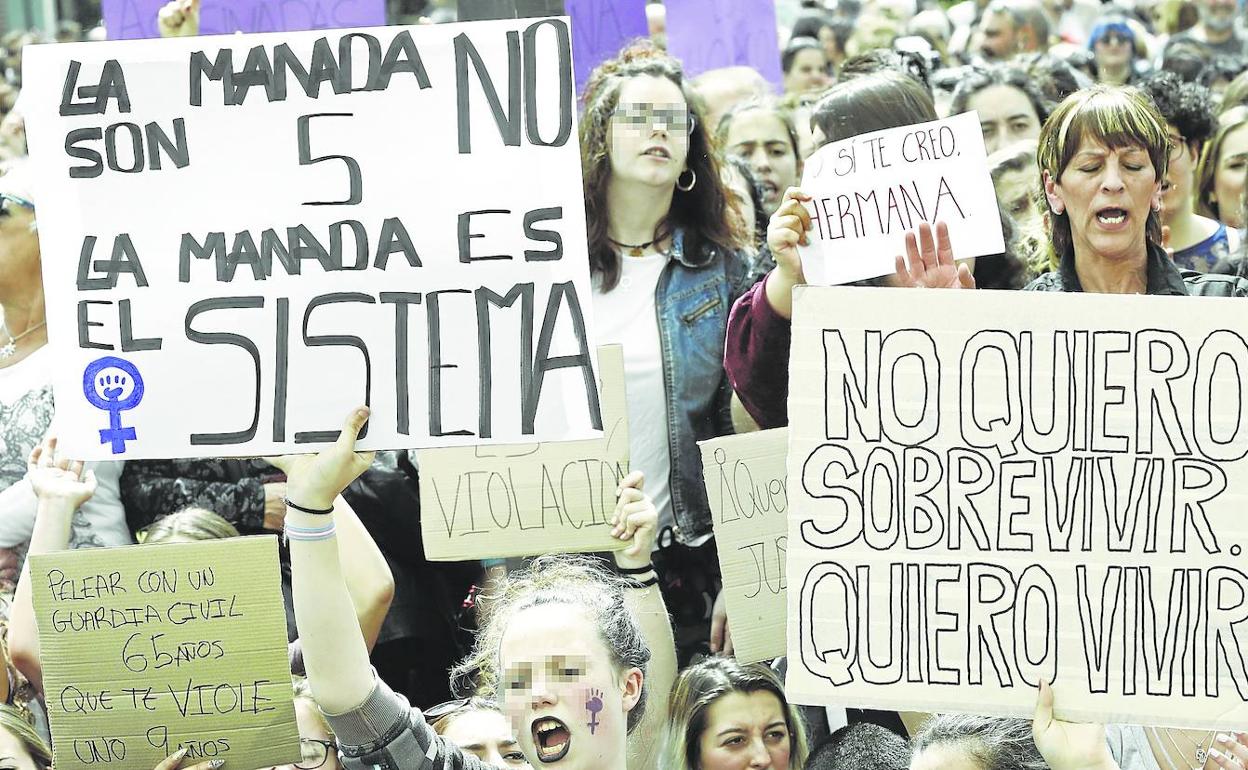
(633, 250)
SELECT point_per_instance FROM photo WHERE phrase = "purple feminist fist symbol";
(593, 706)
(115, 392)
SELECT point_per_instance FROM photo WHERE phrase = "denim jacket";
(692, 299)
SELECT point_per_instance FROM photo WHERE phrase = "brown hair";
(1115, 116)
(701, 212)
(1210, 156)
(189, 524)
(872, 102)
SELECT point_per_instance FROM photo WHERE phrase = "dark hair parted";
(860, 105)
(702, 212)
(991, 743)
(977, 79)
(796, 46)
(1186, 106)
(1114, 116)
(699, 687)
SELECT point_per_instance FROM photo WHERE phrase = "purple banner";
(709, 34)
(129, 19)
(600, 28)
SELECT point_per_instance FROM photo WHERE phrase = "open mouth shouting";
(552, 739)
(1111, 218)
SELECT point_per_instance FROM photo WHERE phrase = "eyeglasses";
(1178, 143)
(643, 115)
(315, 753)
(1113, 38)
(6, 198)
(434, 713)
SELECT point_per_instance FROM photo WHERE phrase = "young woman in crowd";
(1198, 242)
(725, 715)
(1115, 51)
(666, 261)
(805, 66)
(1220, 173)
(762, 133)
(478, 728)
(569, 644)
(1011, 109)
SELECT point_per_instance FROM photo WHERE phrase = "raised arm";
(369, 581)
(636, 520)
(61, 487)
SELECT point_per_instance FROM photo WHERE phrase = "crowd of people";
(1118, 145)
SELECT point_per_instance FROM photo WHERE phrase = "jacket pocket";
(701, 310)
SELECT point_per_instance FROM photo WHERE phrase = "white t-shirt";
(627, 316)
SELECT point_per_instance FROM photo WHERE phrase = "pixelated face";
(745, 731)
(1228, 180)
(650, 132)
(487, 736)
(13, 754)
(567, 704)
(1006, 116)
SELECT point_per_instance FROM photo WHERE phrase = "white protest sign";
(869, 190)
(745, 484)
(245, 236)
(993, 489)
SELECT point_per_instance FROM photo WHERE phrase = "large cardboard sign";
(709, 34)
(530, 499)
(152, 648)
(600, 28)
(130, 19)
(993, 489)
(745, 483)
(871, 189)
(244, 237)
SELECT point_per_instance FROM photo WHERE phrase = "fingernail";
(1224, 738)
(216, 763)
(1214, 752)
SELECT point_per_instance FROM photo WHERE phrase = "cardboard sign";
(152, 648)
(709, 34)
(993, 489)
(869, 191)
(530, 499)
(745, 483)
(130, 19)
(309, 222)
(600, 28)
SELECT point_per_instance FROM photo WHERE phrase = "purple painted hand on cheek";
(593, 705)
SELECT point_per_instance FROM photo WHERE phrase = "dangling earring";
(693, 179)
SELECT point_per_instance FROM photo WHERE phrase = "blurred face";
(943, 757)
(1228, 178)
(1006, 116)
(745, 731)
(13, 754)
(997, 37)
(809, 72)
(1217, 15)
(760, 138)
(1014, 194)
(1176, 188)
(311, 729)
(827, 38)
(1107, 195)
(1112, 50)
(650, 132)
(487, 736)
(566, 703)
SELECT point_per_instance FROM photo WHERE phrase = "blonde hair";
(16, 724)
(696, 690)
(1114, 116)
(1210, 156)
(580, 583)
(189, 524)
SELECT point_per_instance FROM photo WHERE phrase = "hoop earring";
(693, 179)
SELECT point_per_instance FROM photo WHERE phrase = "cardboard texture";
(150, 648)
(869, 191)
(994, 488)
(132, 19)
(709, 34)
(530, 499)
(600, 28)
(448, 288)
(745, 483)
